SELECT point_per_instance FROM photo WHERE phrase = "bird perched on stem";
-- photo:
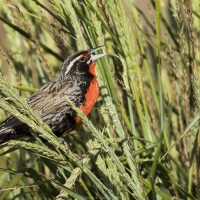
(77, 81)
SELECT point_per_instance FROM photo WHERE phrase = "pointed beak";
(96, 57)
(97, 48)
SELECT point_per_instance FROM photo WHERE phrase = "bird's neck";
(92, 68)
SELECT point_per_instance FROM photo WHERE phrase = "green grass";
(141, 139)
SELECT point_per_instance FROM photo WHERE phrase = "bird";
(77, 81)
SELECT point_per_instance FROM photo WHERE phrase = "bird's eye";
(83, 59)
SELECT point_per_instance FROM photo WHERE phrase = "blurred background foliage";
(141, 139)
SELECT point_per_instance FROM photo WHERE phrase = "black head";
(79, 63)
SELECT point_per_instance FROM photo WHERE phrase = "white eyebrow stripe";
(71, 64)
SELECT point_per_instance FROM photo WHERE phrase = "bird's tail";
(8, 133)
(12, 129)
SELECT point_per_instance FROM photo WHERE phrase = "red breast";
(91, 96)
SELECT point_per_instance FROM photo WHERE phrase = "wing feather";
(50, 104)
(49, 98)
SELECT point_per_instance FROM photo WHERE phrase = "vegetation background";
(141, 140)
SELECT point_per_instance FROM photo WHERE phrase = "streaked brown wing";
(46, 102)
(50, 104)
(49, 98)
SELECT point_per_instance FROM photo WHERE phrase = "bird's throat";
(92, 68)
